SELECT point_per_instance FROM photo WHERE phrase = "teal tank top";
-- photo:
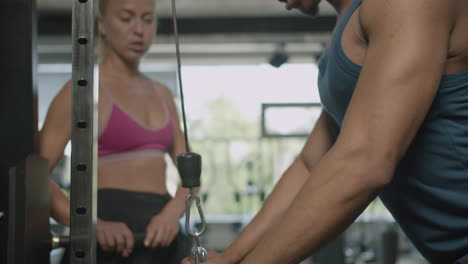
(428, 195)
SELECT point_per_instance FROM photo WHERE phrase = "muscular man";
(393, 82)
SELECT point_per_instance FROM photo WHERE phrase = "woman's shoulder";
(60, 107)
(67, 87)
(64, 95)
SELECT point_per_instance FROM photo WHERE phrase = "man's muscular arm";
(277, 203)
(408, 42)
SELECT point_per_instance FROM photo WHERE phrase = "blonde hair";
(102, 42)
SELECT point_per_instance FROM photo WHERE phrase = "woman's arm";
(405, 59)
(59, 204)
(54, 136)
(178, 203)
(164, 227)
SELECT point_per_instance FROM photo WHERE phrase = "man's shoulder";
(374, 12)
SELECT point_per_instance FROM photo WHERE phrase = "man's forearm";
(317, 145)
(337, 191)
(271, 213)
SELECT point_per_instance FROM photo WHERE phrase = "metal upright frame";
(83, 136)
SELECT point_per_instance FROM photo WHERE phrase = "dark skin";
(336, 177)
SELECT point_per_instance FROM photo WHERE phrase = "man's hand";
(162, 230)
(213, 258)
(114, 236)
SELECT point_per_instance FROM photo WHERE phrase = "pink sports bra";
(124, 138)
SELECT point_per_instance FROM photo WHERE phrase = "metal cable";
(199, 254)
(179, 73)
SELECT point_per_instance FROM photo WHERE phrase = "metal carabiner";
(188, 202)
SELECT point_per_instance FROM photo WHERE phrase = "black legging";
(136, 209)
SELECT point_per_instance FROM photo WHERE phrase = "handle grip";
(189, 166)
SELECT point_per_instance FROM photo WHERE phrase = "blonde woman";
(138, 125)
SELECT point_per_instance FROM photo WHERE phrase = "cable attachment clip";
(189, 166)
(188, 202)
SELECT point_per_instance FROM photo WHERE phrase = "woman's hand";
(162, 229)
(114, 236)
(213, 258)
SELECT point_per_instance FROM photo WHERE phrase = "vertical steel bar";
(84, 134)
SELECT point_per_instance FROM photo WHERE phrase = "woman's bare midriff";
(142, 175)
